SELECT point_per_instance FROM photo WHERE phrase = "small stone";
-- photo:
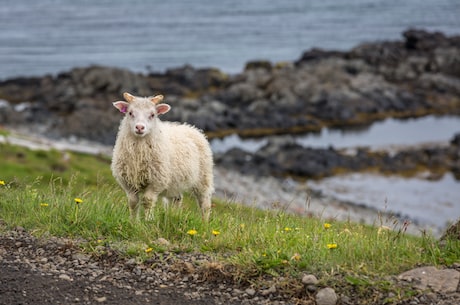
(65, 277)
(268, 291)
(326, 296)
(250, 291)
(100, 299)
(311, 288)
(163, 242)
(309, 279)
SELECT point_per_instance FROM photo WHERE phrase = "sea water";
(51, 36)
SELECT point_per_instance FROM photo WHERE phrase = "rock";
(250, 291)
(163, 242)
(442, 281)
(326, 296)
(65, 277)
(269, 291)
(309, 279)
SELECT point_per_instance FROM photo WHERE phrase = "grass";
(40, 189)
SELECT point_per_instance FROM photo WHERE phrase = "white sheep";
(160, 158)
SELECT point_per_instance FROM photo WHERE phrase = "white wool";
(170, 159)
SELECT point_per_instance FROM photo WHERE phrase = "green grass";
(39, 194)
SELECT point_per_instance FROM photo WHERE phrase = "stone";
(326, 296)
(442, 281)
(250, 291)
(309, 279)
(65, 277)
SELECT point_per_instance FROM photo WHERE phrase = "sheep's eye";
(152, 115)
(130, 113)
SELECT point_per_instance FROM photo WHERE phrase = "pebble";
(250, 291)
(309, 279)
(65, 277)
(326, 296)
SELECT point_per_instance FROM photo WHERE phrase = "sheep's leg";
(133, 203)
(177, 200)
(204, 200)
(150, 198)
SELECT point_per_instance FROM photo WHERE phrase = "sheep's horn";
(156, 99)
(128, 97)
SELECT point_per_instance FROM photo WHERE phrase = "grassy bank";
(74, 195)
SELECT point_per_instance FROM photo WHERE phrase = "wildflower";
(327, 225)
(2, 182)
(192, 232)
(78, 200)
(242, 226)
(296, 257)
(287, 229)
(44, 205)
(331, 246)
(215, 232)
(148, 250)
(99, 241)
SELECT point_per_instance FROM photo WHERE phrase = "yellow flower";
(44, 205)
(192, 232)
(296, 257)
(215, 232)
(78, 200)
(327, 225)
(287, 229)
(148, 250)
(331, 246)
(242, 226)
(2, 182)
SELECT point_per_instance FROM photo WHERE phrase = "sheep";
(160, 158)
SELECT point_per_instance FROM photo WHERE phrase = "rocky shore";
(416, 76)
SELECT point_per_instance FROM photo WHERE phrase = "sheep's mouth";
(139, 133)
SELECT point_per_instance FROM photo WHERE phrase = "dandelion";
(215, 232)
(78, 200)
(192, 232)
(331, 246)
(44, 205)
(242, 226)
(2, 182)
(287, 229)
(148, 250)
(327, 225)
(296, 257)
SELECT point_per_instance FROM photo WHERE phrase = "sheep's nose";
(140, 128)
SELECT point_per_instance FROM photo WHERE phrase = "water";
(49, 36)
(385, 134)
(432, 204)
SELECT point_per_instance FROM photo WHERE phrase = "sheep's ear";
(128, 97)
(156, 99)
(121, 106)
(163, 108)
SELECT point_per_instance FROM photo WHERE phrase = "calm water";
(381, 135)
(48, 36)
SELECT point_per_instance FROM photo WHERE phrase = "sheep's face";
(141, 114)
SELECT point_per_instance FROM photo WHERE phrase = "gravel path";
(54, 271)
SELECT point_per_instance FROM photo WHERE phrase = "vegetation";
(74, 195)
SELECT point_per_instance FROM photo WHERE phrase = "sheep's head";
(141, 112)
